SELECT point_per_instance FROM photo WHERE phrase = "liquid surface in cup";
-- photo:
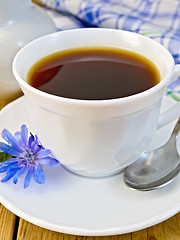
(93, 73)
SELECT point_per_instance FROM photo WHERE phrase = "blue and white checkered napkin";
(157, 19)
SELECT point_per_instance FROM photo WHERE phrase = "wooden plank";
(115, 237)
(140, 235)
(7, 101)
(7, 224)
(2, 105)
(28, 231)
(171, 228)
(168, 230)
(156, 232)
(178, 221)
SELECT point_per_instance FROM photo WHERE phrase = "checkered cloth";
(157, 19)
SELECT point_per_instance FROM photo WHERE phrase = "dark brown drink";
(94, 73)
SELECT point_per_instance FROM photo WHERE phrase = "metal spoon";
(155, 169)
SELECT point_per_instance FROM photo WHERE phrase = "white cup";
(96, 137)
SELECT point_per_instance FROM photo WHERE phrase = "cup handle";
(174, 112)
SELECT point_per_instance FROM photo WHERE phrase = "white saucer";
(82, 206)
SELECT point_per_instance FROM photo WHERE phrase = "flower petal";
(24, 134)
(43, 153)
(31, 140)
(8, 176)
(35, 147)
(10, 139)
(26, 154)
(39, 175)
(28, 177)
(49, 162)
(17, 135)
(9, 149)
(18, 174)
(13, 168)
(4, 168)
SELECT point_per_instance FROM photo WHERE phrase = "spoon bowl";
(157, 168)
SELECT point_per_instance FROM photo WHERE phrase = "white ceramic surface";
(104, 136)
(84, 206)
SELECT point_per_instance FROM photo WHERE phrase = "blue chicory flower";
(27, 156)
